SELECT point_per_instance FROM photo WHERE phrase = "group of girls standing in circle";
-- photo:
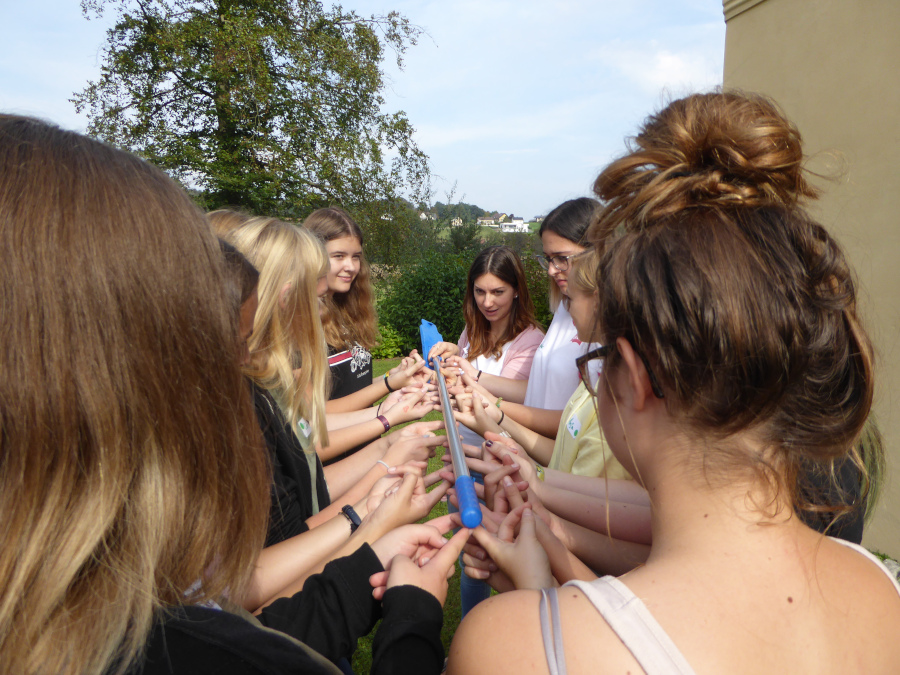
(715, 331)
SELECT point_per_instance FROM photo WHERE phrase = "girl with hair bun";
(733, 357)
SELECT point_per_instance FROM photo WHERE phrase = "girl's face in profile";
(583, 308)
(345, 259)
(557, 248)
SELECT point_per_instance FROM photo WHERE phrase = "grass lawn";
(362, 659)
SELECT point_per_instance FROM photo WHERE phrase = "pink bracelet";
(384, 421)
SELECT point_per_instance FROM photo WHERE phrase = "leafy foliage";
(434, 288)
(269, 105)
(431, 289)
(389, 344)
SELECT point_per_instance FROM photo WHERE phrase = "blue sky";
(519, 103)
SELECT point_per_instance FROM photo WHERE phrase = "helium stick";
(469, 510)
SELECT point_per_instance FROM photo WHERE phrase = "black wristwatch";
(350, 514)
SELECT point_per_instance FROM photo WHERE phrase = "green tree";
(271, 105)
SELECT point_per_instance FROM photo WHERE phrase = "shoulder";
(463, 339)
(531, 337)
(502, 634)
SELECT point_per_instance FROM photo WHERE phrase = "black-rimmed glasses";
(560, 262)
(601, 353)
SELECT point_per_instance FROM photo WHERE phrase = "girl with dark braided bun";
(734, 361)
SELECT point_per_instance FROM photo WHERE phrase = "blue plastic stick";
(469, 510)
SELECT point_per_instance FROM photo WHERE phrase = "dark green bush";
(432, 288)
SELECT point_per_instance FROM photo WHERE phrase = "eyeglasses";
(601, 353)
(560, 262)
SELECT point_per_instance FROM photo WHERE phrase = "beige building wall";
(834, 66)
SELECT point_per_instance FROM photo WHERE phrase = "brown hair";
(131, 463)
(570, 220)
(503, 263)
(349, 317)
(743, 305)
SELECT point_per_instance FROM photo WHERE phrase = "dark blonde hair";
(744, 307)
(131, 463)
(349, 317)
(287, 332)
(503, 263)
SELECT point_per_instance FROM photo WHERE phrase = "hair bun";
(718, 150)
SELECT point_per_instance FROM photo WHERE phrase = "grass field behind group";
(362, 659)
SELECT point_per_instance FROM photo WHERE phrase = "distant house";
(502, 218)
(427, 216)
(514, 224)
(487, 221)
(538, 219)
(456, 222)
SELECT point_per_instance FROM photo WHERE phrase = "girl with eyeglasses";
(715, 279)
(537, 403)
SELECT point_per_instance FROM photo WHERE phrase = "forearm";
(564, 564)
(508, 389)
(344, 439)
(544, 422)
(628, 522)
(334, 609)
(367, 533)
(280, 565)
(342, 420)
(538, 447)
(600, 552)
(359, 399)
(350, 471)
(408, 642)
(626, 491)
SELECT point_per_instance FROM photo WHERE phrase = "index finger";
(447, 556)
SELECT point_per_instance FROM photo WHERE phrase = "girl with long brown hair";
(733, 357)
(134, 482)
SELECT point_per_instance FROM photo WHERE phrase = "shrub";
(432, 288)
(389, 344)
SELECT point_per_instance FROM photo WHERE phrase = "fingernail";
(507, 481)
(514, 465)
(489, 443)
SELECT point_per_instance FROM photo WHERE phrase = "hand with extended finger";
(412, 406)
(416, 429)
(442, 350)
(478, 564)
(431, 576)
(412, 449)
(493, 478)
(391, 479)
(463, 367)
(406, 502)
(521, 557)
(418, 542)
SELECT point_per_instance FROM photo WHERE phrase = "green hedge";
(434, 288)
